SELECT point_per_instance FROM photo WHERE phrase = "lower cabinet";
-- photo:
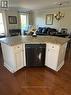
(55, 55)
(19, 60)
(13, 57)
(19, 57)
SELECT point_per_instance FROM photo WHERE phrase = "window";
(2, 31)
(24, 22)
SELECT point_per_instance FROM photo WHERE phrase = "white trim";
(58, 68)
(9, 68)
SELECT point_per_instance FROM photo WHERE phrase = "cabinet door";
(52, 56)
(19, 60)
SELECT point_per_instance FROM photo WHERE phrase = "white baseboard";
(58, 68)
(9, 68)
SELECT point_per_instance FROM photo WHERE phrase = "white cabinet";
(18, 56)
(13, 57)
(55, 56)
(19, 60)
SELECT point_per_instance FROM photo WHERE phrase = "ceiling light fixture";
(59, 15)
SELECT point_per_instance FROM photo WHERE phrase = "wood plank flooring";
(36, 81)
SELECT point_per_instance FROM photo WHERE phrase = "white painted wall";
(40, 18)
(12, 12)
(31, 18)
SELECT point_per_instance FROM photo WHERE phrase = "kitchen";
(15, 48)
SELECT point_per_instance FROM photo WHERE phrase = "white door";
(52, 56)
(19, 60)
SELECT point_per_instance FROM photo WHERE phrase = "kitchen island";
(13, 49)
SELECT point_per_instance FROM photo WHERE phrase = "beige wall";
(40, 17)
(12, 13)
(31, 18)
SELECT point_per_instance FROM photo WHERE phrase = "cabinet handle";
(48, 49)
(18, 47)
(52, 46)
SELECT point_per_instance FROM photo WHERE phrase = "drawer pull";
(48, 49)
(18, 47)
(52, 46)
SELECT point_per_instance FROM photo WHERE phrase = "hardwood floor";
(36, 81)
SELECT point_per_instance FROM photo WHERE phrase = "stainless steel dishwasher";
(35, 54)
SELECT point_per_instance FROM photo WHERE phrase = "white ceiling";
(38, 4)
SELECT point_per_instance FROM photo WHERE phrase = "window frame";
(27, 20)
(3, 34)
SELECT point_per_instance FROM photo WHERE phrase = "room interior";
(46, 26)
